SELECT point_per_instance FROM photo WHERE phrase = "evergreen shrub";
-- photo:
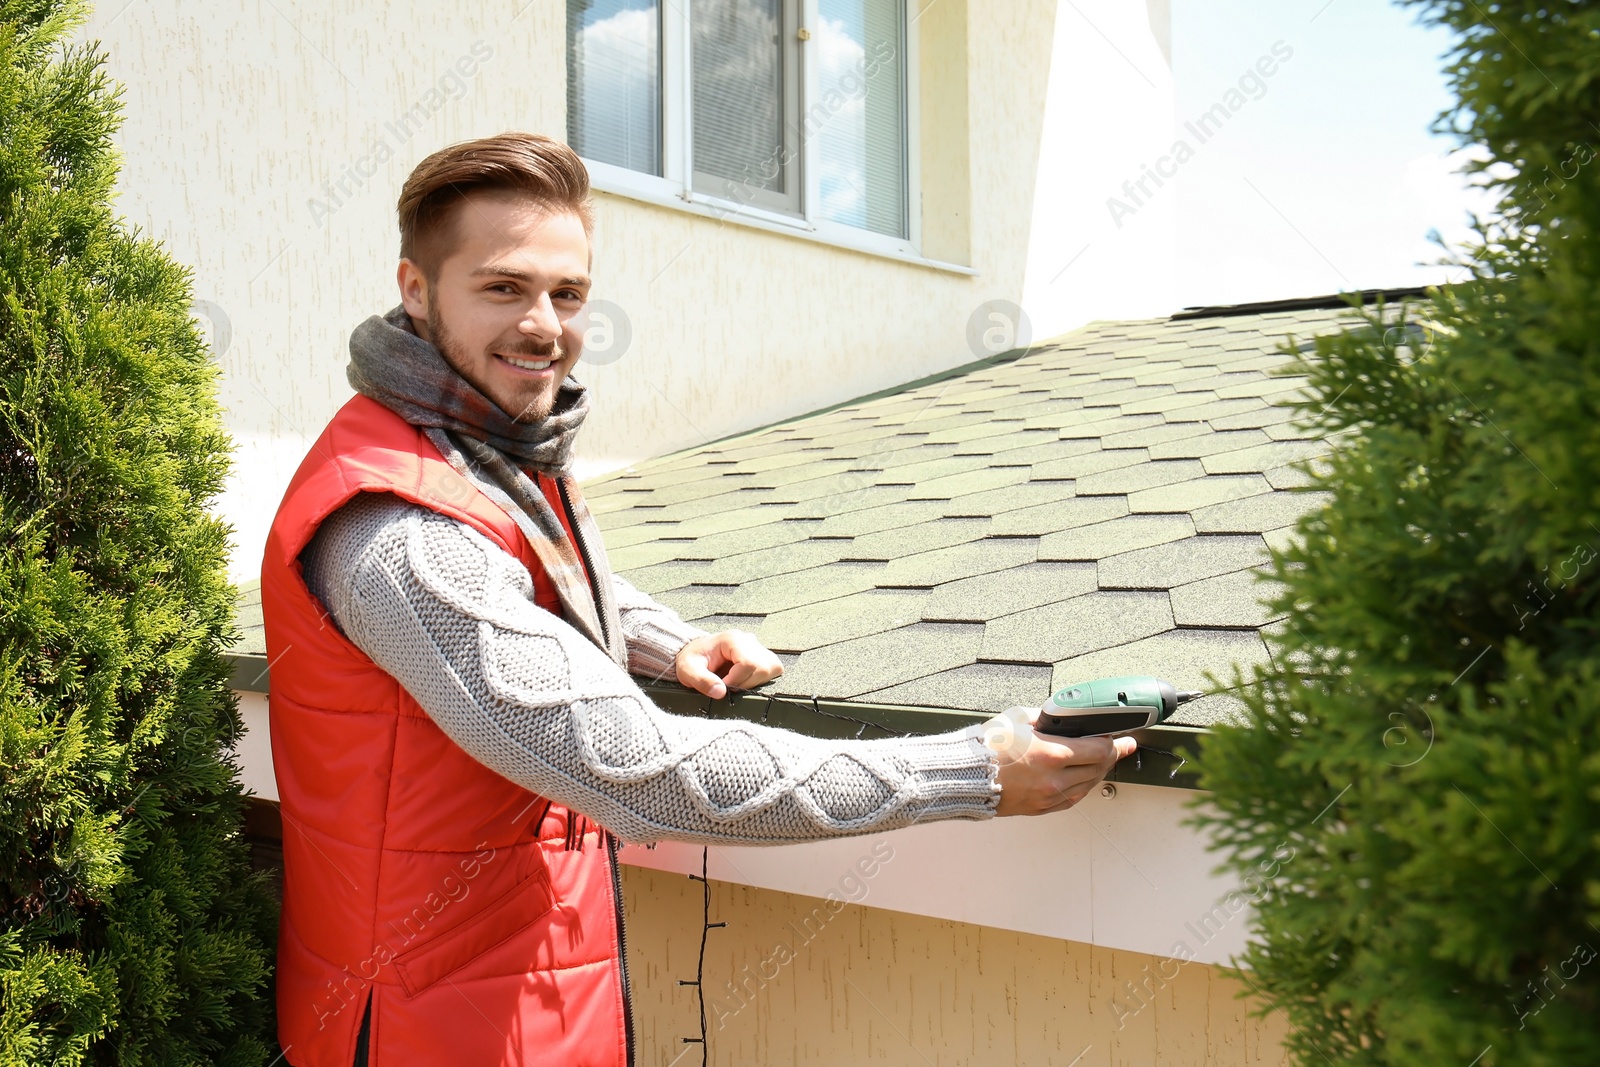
(132, 929)
(1419, 767)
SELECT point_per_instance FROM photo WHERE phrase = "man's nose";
(540, 320)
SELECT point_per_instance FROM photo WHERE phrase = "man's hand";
(732, 658)
(1039, 773)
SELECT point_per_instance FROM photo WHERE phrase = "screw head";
(1108, 790)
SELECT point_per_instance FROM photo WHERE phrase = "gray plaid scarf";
(407, 375)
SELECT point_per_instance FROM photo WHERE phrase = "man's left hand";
(730, 659)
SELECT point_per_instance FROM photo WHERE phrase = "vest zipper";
(622, 946)
(611, 842)
(588, 565)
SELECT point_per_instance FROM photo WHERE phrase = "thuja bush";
(1413, 795)
(132, 930)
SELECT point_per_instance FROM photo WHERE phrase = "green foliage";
(1423, 747)
(132, 930)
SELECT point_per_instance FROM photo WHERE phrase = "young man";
(456, 735)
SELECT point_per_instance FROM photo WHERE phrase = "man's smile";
(526, 363)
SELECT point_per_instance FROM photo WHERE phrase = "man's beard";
(531, 409)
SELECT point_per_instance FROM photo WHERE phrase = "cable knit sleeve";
(451, 616)
(654, 632)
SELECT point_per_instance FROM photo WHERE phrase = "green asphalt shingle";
(1061, 631)
(988, 596)
(1197, 493)
(883, 659)
(1045, 519)
(1226, 601)
(974, 685)
(1181, 562)
(1101, 539)
(870, 611)
(1257, 513)
(1098, 505)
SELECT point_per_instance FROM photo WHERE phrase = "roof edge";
(1163, 759)
(1328, 302)
(1009, 356)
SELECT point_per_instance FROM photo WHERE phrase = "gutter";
(1164, 758)
(1333, 302)
(250, 672)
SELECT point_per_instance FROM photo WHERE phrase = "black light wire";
(700, 971)
(706, 924)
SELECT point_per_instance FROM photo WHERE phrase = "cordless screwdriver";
(1108, 707)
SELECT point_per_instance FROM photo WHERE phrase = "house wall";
(873, 985)
(254, 750)
(264, 142)
(1109, 118)
(1123, 869)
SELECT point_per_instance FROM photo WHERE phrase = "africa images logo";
(452, 85)
(1252, 85)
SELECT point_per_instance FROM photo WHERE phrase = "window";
(744, 60)
(787, 109)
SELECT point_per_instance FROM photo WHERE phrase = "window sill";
(661, 192)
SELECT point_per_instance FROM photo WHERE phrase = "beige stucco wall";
(242, 120)
(876, 986)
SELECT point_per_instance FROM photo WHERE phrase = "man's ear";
(414, 292)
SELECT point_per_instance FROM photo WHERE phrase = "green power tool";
(1107, 707)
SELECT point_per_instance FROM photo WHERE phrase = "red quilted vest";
(414, 875)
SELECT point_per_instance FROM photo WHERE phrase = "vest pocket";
(509, 914)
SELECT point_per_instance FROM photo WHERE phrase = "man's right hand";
(1040, 773)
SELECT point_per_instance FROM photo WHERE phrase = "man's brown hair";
(539, 168)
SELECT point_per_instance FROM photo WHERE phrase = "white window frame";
(674, 188)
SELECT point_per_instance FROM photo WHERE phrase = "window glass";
(744, 86)
(614, 82)
(856, 126)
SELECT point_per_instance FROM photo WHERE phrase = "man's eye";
(569, 294)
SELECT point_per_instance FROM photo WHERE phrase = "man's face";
(504, 308)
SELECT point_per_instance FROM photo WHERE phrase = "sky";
(1328, 178)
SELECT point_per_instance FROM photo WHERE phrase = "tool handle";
(1094, 722)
